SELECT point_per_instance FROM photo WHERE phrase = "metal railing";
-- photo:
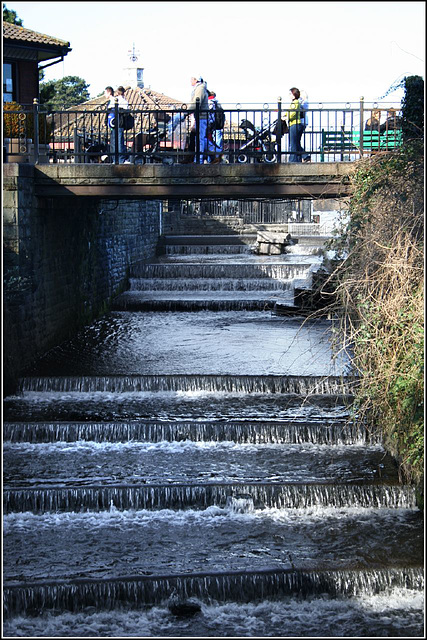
(249, 211)
(334, 133)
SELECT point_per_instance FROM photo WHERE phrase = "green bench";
(348, 142)
(391, 139)
(337, 142)
(375, 141)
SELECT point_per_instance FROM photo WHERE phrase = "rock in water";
(184, 607)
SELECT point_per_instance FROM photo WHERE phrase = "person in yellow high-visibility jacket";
(296, 124)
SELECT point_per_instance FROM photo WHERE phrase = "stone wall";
(64, 260)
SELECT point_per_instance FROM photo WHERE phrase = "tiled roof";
(150, 98)
(137, 98)
(20, 34)
(144, 100)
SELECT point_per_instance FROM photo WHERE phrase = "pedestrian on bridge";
(111, 123)
(296, 124)
(303, 100)
(214, 133)
(200, 91)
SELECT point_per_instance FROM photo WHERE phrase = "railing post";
(84, 145)
(116, 130)
(279, 130)
(36, 130)
(361, 109)
(76, 144)
(197, 117)
(160, 219)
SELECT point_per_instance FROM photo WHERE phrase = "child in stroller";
(259, 145)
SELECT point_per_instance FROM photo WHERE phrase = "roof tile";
(14, 32)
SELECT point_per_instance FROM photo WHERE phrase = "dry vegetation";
(380, 291)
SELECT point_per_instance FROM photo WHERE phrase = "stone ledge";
(17, 169)
(317, 180)
(99, 171)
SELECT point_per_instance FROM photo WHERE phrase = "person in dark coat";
(392, 123)
(373, 122)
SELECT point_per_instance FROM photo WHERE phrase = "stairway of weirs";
(193, 446)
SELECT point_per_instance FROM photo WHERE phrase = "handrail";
(170, 135)
(354, 104)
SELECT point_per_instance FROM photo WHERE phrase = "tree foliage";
(11, 17)
(67, 92)
(413, 108)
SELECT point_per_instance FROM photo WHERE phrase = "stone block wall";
(64, 261)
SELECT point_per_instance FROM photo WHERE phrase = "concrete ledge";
(191, 180)
(185, 170)
(18, 170)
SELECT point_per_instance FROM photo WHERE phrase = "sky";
(248, 52)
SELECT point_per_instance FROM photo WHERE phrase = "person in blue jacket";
(111, 123)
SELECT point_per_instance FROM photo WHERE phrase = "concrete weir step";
(321, 430)
(202, 301)
(274, 384)
(235, 239)
(208, 284)
(136, 301)
(223, 269)
(132, 463)
(189, 405)
(234, 250)
(238, 496)
(134, 591)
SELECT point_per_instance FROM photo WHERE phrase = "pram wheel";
(242, 159)
(269, 157)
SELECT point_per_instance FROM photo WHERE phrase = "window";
(8, 82)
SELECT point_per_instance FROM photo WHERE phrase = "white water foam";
(184, 446)
(90, 520)
(399, 613)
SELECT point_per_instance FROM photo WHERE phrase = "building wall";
(64, 260)
(28, 81)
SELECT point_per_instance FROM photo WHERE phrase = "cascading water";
(185, 249)
(296, 430)
(217, 282)
(172, 496)
(299, 385)
(162, 457)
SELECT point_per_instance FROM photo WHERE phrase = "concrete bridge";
(157, 181)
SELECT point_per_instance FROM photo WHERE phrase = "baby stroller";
(260, 145)
(146, 147)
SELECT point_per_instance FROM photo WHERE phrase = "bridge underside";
(311, 180)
